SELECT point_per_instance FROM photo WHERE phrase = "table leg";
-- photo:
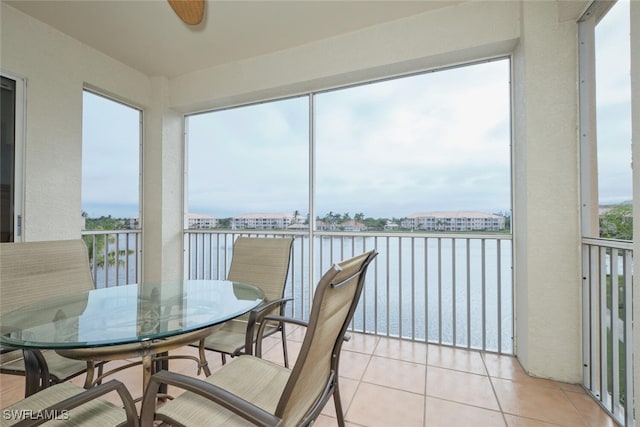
(147, 370)
(88, 379)
(36, 372)
(203, 359)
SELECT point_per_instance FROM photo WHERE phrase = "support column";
(546, 223)
(162, 190)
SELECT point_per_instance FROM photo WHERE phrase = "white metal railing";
(115, 256)
(607, 325)
(450, 289)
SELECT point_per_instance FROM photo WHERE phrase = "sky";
(110, 158)
(434, 141)
(613, 105)
(386, 149)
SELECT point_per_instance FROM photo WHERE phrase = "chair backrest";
(262, 262)
(334, 302)
(35, 271)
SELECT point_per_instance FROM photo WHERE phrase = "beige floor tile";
(539, 403)
(353, 364)
(327, 421)
(515, 421)
(575, 388)
(12, 387)
(508, 367)
(295, 333)
(444, 413)
(462, 387)
(590, 411)
(376, 406)
(348, 389)
(275, 354)
(395, 373)
(402, 350)
(454, 386)
(457, 359)
(361, 343)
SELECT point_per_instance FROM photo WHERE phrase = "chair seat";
(94, 413)
(231, 334)
(264, 390)
(62, 368)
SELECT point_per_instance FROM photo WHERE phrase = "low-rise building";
(454, 221)
(200, 221)
(262, 221)
(352, 226)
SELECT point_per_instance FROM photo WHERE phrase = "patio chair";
(262, 262)
(36, 271)
(250, 389)
(70, 404)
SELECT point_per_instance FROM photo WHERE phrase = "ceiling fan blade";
(190, 11)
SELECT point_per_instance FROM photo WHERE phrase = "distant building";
(324, 226)
(454, 221)
(352, 226)
(134, 223)
(391, 226)
(201, 221)
(263, 221)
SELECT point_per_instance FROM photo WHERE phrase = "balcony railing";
(450, 289)
(115, 256)
(607, 325)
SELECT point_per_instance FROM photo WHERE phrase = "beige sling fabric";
(95, 413)
(262, 262)
(253, 388)
(36, 271)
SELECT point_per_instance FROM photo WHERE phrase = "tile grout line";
(426, 378)
(493, 388)
(348, 407)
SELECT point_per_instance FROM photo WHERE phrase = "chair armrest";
(87, 396)
(286, 319)
(222, 397)
(256, 316)
(283, 319)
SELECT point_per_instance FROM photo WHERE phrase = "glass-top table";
(126, 321)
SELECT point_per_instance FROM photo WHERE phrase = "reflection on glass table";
(125, 321)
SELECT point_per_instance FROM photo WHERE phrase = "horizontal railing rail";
(115, 256)
(607, 325)
(444, 288)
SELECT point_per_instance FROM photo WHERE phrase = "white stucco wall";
(547, 227)
(56, 67)
(446, 36)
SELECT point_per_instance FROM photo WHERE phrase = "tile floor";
(388, 382)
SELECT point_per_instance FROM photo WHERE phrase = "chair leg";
(224, 358)
(100, 371)
(284, 346)
(161, 364)
(338, 404)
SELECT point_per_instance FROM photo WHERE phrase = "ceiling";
(148, 36)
